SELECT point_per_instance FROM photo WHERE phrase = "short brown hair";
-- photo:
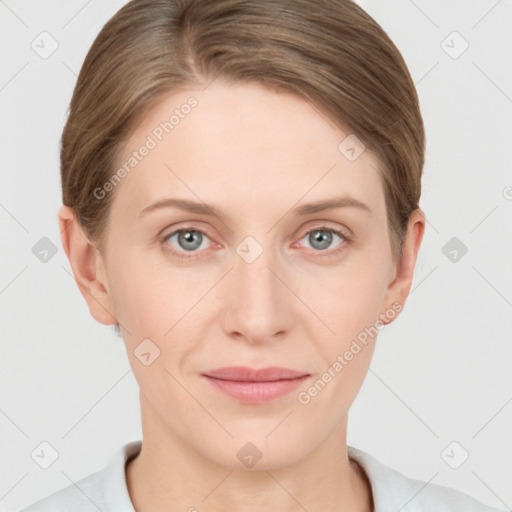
(330, 52)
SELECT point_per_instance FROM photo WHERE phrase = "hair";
(329, 52)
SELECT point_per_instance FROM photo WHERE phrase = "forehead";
(242, 145)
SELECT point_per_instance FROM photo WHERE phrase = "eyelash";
(326, 254)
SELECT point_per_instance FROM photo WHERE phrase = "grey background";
(441, 372)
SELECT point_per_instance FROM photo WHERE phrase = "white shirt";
(106, 490)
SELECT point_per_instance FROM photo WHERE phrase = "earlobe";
(85, 260)
(398, 290)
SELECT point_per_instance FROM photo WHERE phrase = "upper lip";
(245, 374)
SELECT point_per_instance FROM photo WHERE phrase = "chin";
(253, 451)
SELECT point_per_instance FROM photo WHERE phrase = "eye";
(321, 239)
(186, 240)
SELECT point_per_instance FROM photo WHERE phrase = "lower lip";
(256, 392)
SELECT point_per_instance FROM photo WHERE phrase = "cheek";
(348, 299)
(351, 308)
(142, 299)
(156, 301)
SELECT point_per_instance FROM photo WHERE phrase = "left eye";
(321, 238)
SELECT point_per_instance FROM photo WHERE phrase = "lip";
(245, 374)
(251, 386)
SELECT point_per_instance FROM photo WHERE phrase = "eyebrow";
(305, 209)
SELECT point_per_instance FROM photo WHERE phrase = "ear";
(398, 289)
(88, 267)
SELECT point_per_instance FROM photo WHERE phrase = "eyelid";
(185, 226)
(324, 225)
(165, 234)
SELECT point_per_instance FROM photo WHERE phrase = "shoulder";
(394, 491)
(104, 490)
(85, 496)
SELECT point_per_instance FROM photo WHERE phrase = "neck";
(169, 473)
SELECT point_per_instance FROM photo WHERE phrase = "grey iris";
(321, 237)
(188, 240)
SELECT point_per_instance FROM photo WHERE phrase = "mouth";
(250, 386)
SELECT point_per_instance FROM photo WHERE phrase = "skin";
(254, 155)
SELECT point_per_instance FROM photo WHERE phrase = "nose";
(258, 305)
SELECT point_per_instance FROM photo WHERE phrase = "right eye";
(186, 240)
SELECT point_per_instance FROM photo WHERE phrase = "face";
(250, 276)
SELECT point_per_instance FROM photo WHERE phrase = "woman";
(241, 185)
